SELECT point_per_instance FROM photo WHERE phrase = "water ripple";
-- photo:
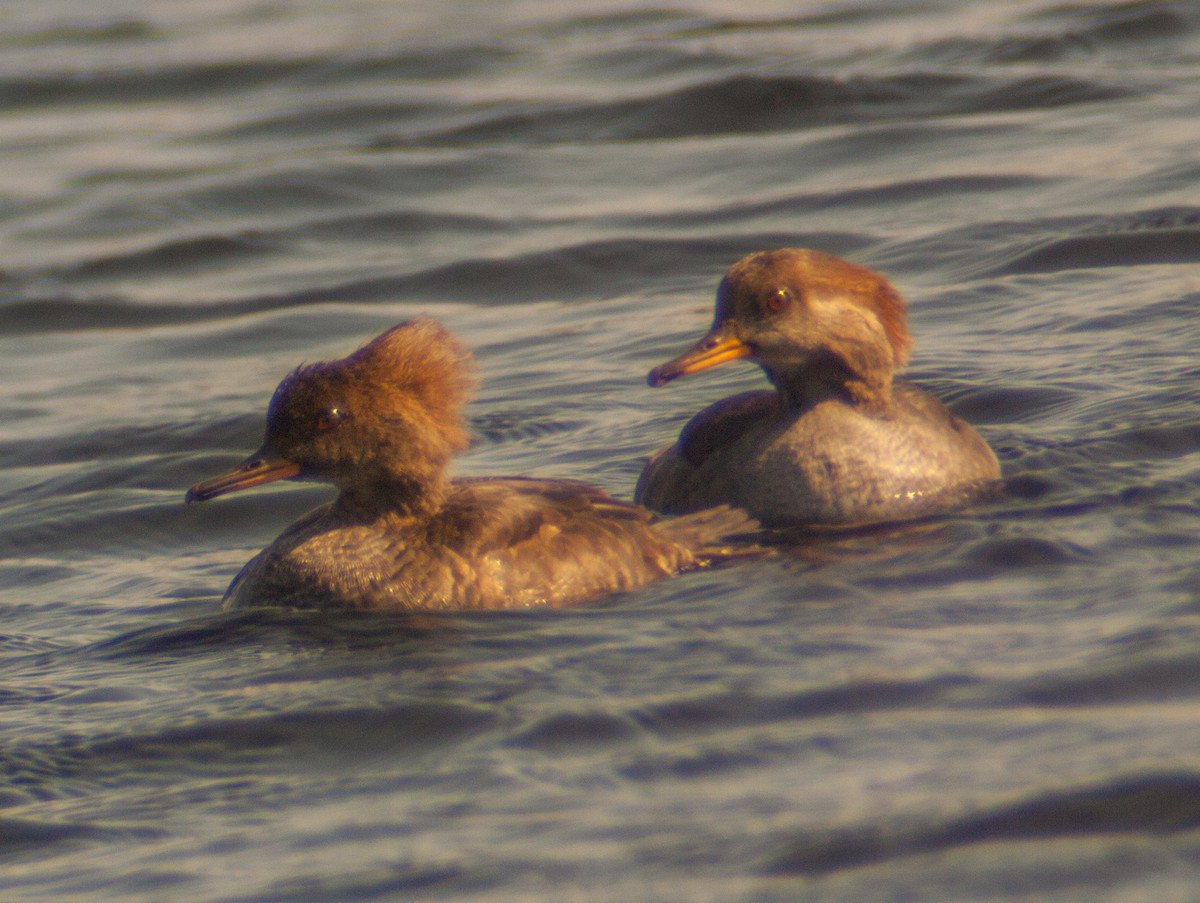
(742, 104)
(1154, 803)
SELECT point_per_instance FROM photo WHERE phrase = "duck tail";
(716, 534)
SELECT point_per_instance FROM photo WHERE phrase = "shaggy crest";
(390, 412)
(871, 290)
(420, 359)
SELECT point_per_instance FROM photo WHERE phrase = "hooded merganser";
(840, 441)
(382, 425)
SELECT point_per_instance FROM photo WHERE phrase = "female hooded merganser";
(382, 425)
(840, 442)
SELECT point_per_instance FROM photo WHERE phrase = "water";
(196, 196)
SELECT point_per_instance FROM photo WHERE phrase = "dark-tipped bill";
(254, 471)
(711, 351)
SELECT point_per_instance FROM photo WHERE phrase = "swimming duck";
(382, 425)
(841, 441)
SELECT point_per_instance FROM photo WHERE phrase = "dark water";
(196, 196)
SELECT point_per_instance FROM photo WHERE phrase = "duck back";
(495, 543)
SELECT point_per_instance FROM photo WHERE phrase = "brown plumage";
(382, 426)
(841, 441)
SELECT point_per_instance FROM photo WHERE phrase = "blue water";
(1003, 704)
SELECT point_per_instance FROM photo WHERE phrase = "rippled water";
(196, 196)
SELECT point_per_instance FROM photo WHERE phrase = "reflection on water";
(196, 197)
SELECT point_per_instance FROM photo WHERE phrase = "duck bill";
(713, 350)
(259, 468)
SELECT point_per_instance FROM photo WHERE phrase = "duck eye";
(332, 416)
(778, 301)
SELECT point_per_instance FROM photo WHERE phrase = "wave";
(1153, 803)
(1161, 235)
(742, 104)
(585, 271)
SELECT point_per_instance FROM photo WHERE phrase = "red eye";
(778, 301)
(330, 417)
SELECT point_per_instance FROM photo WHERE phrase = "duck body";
(494, 543)
(841, 441)
(825, 464)
(382, 425)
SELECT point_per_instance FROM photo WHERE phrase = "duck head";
(816, 324)
(381, 424)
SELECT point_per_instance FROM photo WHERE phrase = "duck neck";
(366, 500)
(830, 377)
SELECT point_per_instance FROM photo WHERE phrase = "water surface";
(1001, 704)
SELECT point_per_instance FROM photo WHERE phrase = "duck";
(382, 425)
(840, 441)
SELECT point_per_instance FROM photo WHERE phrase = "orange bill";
(254, 471)
(713, 350)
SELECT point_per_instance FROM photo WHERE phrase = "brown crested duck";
(840, 441)
(382, 425)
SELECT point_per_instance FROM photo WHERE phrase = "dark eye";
(332, 416)
(779, 300)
